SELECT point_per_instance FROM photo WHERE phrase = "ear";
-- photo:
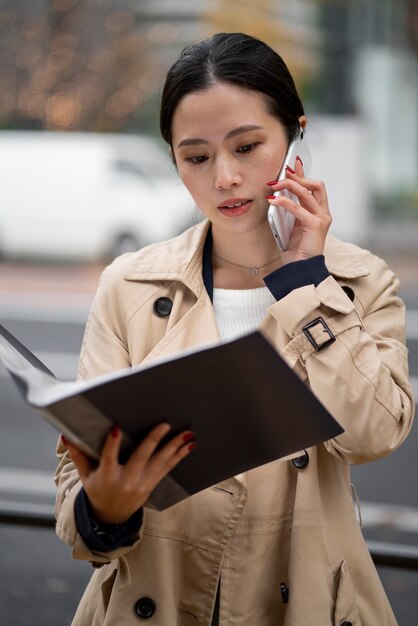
(303, 120)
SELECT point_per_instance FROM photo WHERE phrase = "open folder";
(245, 404)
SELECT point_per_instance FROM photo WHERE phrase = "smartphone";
(281, 221)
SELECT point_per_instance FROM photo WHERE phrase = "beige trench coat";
(276, 530)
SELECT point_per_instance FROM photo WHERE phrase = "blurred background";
(84, 176)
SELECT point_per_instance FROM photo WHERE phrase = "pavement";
(15, 277)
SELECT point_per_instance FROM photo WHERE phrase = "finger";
(304, 216)
(303, 189)
(80, 460)
(316, 187)
(171, 448)
(161, 462)
(299, 167)
(109, 456)
(305, 198)
(141, 455)
(157, 470)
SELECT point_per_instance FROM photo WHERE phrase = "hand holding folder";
(245, 405)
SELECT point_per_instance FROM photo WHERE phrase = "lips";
(233, 203)
(235, 207)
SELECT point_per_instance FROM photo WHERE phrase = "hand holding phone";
(282, 221)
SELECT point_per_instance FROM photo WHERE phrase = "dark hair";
(238, 59)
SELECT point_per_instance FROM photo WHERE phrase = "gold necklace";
(254, 270)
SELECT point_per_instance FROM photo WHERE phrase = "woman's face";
(227, 147)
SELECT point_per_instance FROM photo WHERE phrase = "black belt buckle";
(325, 327)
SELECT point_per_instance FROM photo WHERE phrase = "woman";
(280, 544)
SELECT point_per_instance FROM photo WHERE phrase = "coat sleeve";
(362, 376)
(69, 484)
(104, 349)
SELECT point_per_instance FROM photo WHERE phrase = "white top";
(240, 311)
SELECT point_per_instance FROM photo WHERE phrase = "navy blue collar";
(207, 264)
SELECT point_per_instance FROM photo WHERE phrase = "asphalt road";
(40, 583)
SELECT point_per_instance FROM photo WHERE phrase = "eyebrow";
(232, 133)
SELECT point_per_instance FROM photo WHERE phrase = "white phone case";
(280, 220)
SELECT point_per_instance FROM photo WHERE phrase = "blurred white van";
(86, 196)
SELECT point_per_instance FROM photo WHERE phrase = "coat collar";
(181, 259)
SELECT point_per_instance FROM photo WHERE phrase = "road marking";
(17, 481)
(391, 516)
(50, 316)
(412, 324)
(414, 383)
(67, 308)
(24, 483)
(62, 364)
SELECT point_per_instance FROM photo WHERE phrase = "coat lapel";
(197, 328)
(180, 260)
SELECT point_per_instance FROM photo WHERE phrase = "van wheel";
(124, 243)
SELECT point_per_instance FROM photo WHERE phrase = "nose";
(227, 173)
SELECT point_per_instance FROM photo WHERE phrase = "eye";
(196, 160)
(248, 147)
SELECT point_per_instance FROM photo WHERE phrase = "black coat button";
(284, 590)
(349, 292)
(163, 306)
(301, 461)
(145, 608)
(345, 623)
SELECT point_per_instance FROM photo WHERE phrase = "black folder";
(244, 403)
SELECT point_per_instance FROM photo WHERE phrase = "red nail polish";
(115, 431)
(64, 440)
(188, 436)
(192, 446)
(289, 169)
(270, 197)
(300, 160)
(273, 182)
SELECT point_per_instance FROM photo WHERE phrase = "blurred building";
(98, 65)
(370, 58)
